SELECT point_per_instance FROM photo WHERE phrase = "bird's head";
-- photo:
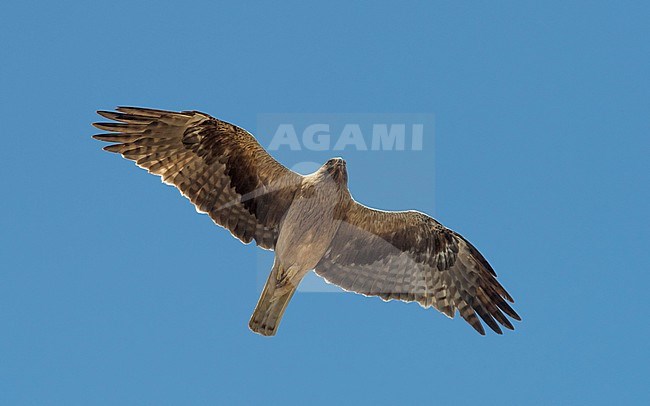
(335, 168)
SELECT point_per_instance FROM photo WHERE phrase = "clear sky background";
(114, 291)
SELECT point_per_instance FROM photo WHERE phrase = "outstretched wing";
(409, 256)
(221, 168)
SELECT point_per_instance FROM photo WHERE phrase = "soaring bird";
(311, 222)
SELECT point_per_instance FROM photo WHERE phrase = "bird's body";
(311, 222)
(306, 232)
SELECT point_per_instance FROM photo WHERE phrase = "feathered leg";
(277, 293)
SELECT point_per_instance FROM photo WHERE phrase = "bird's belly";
(305, 235)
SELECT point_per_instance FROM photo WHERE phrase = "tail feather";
(271, 306)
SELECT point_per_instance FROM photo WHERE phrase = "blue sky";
(114, 291)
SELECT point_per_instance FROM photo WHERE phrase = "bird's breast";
(307, 229)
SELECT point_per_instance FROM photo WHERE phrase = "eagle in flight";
(311, 222)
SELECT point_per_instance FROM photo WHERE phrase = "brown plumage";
(311, 222)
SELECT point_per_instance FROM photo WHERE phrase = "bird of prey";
(311, 222)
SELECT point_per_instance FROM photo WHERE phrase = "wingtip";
(144, 111)
(479, 328)
(512, 313)
(106, 114)
(115, 148)
(506, 323)
(111, 127)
